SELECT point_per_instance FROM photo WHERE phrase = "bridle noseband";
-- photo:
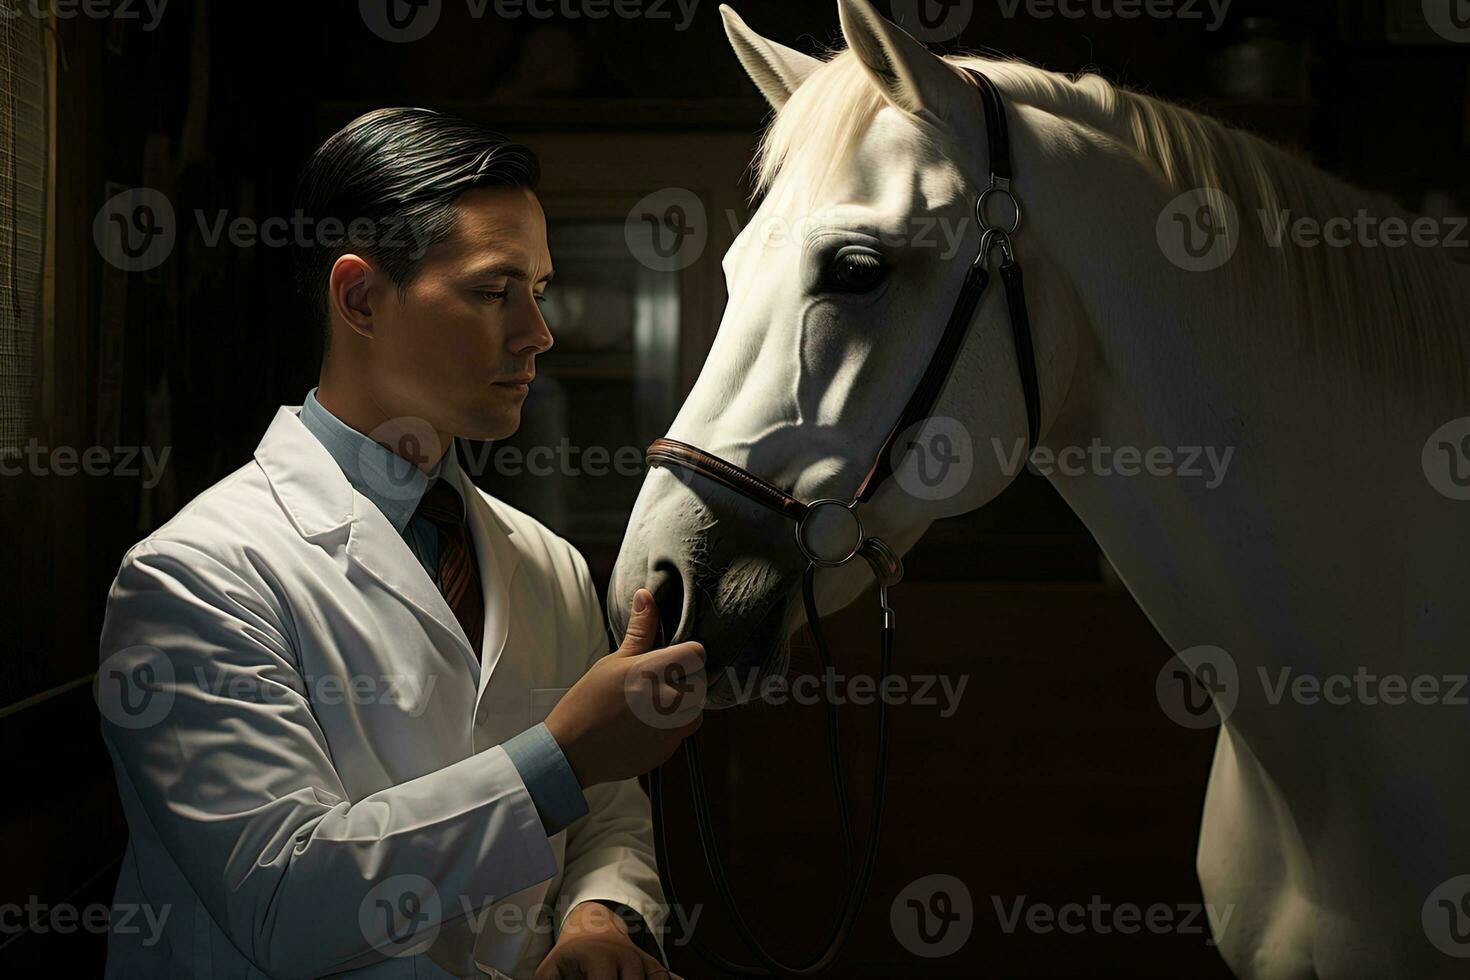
(887, 568)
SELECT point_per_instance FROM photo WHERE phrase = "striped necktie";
(459, 578)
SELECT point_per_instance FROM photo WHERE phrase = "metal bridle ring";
(991, 239)
(810, 555)
(980, 215)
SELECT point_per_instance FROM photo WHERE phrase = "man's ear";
(908, 74)
(776, 69)
(349, 288)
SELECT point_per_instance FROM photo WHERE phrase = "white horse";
(1331, 553)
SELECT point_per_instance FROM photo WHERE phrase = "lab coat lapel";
(322, 505)
(498, 559)
(378, 548)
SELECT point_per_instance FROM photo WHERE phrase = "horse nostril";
(667, 586)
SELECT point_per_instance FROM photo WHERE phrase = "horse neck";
(1160, 367)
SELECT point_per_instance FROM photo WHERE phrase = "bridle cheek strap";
(1010, 277)
(935, 376)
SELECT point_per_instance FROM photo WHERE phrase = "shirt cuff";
(548, 777)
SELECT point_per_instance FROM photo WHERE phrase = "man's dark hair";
(387, 184)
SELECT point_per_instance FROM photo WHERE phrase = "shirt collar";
(392, 483)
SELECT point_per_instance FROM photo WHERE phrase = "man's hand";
(594, 945)
(631, 710)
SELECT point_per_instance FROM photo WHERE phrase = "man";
(362, 715)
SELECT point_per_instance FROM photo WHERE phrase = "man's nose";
(535, 336)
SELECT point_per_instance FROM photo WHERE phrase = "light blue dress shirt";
(395, 486)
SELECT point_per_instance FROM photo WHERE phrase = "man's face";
(459, 348)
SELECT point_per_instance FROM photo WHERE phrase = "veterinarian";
(363, 716)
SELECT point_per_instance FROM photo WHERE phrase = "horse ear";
(776, 69)
(909, 74)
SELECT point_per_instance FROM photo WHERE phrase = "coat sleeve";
(214, 741)
(609, 852)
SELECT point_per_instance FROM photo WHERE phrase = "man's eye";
(855, 270)
(491, 296)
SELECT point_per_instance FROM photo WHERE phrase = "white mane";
(1394, 316)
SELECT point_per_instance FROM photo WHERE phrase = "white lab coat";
(296, 719)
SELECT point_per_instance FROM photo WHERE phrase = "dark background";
(1058, 779)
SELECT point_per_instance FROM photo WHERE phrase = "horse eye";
(855, 271)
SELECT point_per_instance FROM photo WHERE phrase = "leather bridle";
(887, 568)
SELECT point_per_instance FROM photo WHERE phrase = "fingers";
(642, 630)
(688, 656)
(638, 965)
(670, 686)
(651, 969)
